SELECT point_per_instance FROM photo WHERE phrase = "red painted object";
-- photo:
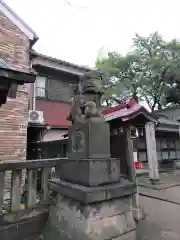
(138, 165)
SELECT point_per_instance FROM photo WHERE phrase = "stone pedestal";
(99, 213)
(90, 200)
(89, 139)
(89, 162)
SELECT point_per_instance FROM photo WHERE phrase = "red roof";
(126, 111)
(125, 105)
(123, 113)
(113, 109)
(55, 114)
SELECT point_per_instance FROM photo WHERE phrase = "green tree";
(148, 73)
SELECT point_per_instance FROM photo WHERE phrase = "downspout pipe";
(34, 96)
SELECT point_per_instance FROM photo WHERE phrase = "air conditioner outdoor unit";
(36, 117)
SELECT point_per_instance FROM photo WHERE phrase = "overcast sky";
(77, 32)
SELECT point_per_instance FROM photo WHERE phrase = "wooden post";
(2, 174)
(132, 171)
(152, 152)
(129, 153)
(16, 190)
(45, 178)
(32, 186)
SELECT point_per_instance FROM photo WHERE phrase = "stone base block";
(89, 172)
(89, 139)
(107, 220)
(92, 194)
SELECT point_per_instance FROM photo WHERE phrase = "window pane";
(41, 81)
(59, 90)
(159, 156)
(142, 157)
(141, 144)
(172, 155)
(165, 156)
(178, 144)
(178, 154)
(171, 143)
(158, 144)
(164, 143)
(40, 86)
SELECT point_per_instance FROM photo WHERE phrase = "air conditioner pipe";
(33, 90)
(34, 97)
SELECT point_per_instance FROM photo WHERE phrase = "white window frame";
(41, 86)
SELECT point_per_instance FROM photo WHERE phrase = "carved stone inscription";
(78, 141)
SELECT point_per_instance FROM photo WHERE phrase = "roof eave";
(134, 115)
(40, 59)
(16, 20)
(19, 77)
(167, 128)
(32, 42)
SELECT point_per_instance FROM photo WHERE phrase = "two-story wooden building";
(50, 101)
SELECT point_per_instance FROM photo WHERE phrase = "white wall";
(54, 134)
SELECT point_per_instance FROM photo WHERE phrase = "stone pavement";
(161, 205)
(166, 180)
(161, 220)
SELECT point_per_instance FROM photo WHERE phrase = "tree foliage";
(150, 72)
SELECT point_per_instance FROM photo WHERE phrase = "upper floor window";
(58, 90)
(41, 86)
(53, 89)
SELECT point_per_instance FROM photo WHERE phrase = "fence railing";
(30, 169)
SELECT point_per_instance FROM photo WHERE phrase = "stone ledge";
(22, 215)
(93, 194)
(26, 228)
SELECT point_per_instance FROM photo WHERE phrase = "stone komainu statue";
(91, 110)
(91, 83)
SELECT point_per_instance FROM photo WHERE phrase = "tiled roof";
(123, 113)
(118, 107)
(127, 111)
(55, 114)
